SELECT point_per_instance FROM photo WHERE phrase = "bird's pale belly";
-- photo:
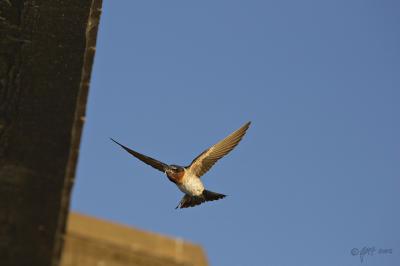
(192, 186)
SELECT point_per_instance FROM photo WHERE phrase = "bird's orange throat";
(176, 177)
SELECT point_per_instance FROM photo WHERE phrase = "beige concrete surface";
(94, 242)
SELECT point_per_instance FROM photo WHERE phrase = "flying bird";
(187, 178)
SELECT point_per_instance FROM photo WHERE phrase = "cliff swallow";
(187, 178)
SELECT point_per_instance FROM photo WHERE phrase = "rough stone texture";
(46, 54)
(93, 242)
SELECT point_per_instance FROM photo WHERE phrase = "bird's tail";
(209, 195)
(191, 201)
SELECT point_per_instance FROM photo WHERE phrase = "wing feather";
(202, 163)
(146, 159)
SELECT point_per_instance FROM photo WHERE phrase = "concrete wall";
(90, 241)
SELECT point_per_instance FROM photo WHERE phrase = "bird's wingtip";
(115, 141)
(247, 125)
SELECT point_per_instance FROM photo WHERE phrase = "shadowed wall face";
(44, 75)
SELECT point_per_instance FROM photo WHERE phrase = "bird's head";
(174, 169)
(175, 173)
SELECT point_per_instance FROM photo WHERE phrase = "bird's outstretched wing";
(202, 163)
(147, 160)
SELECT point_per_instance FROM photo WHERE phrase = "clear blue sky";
(318, 172)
